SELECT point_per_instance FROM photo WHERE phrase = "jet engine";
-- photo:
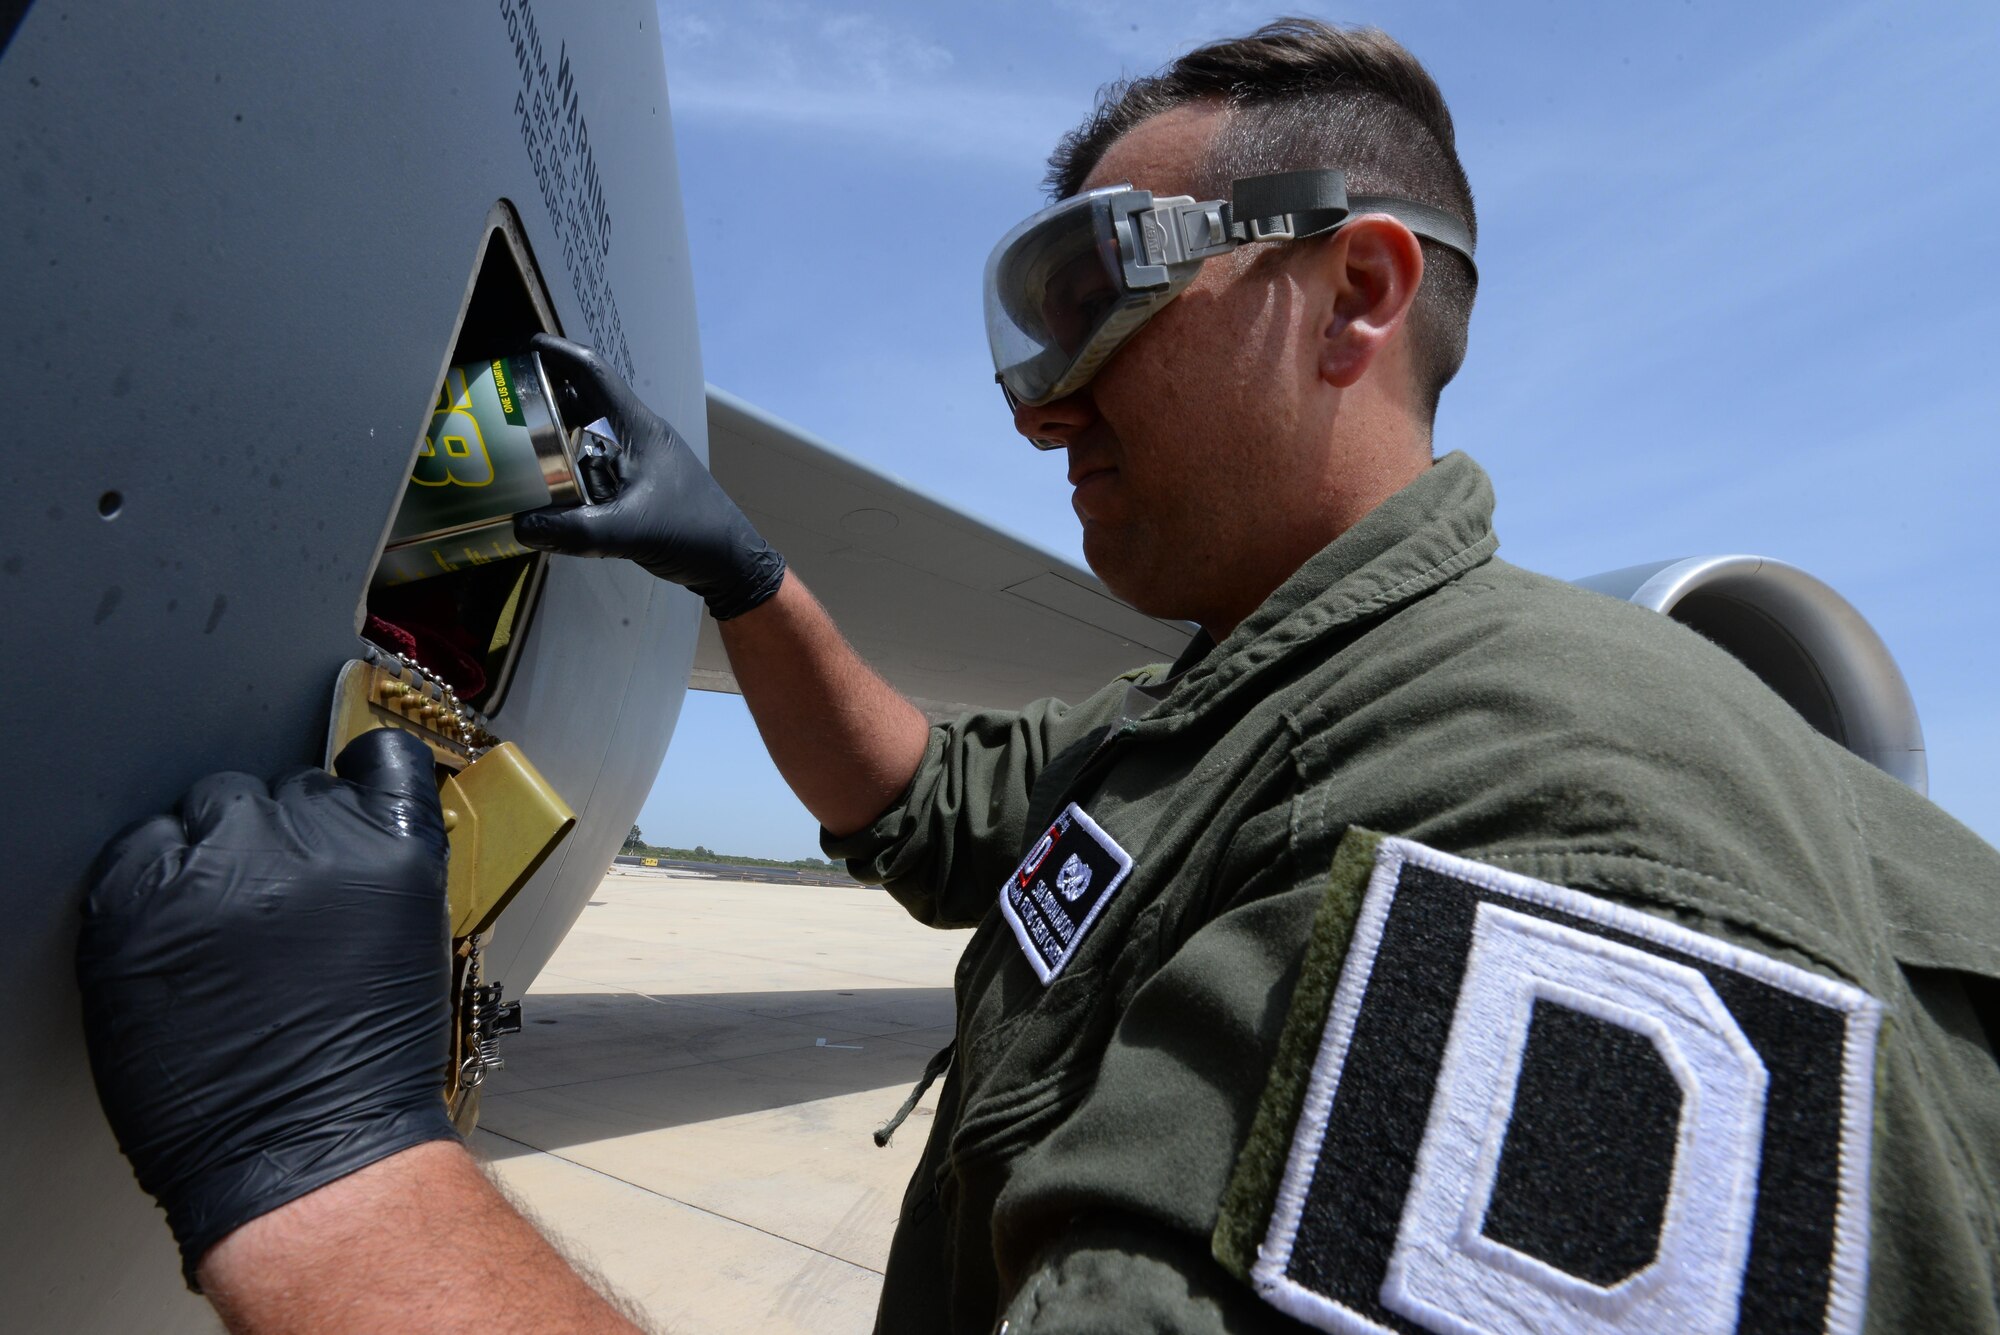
(1804, 640)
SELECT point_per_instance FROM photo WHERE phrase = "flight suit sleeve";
(943, 849)
(1117, 1274)
(1155, 1205)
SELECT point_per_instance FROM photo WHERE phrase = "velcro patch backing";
(1531, 1109)
(1057, 892)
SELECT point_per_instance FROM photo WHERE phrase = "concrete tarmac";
(688, 1110)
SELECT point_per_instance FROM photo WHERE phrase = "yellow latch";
(503, 820)
(502, 817)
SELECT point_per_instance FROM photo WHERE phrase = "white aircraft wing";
(954, 612)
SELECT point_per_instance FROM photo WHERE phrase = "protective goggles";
(1066, 288)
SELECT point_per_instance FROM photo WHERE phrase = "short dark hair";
(1301, 93)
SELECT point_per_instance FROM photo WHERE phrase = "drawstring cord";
(939, 1063)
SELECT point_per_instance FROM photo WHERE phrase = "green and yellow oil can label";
(495, 447)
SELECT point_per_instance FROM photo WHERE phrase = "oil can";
(496, 446)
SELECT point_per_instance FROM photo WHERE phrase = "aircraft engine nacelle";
(1804, 640)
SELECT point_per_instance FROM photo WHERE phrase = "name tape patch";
(1535, 1110)
(1057, 892)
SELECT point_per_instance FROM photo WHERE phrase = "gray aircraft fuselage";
(242, 242)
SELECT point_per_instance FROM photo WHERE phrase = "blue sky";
(1738, 291)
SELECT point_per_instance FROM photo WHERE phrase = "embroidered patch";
(1059, 889)
(1535, 1110)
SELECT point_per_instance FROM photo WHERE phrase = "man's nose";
(1059, 421)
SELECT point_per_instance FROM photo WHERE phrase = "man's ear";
(1366, 275)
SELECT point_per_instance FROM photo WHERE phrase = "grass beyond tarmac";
(636, 846)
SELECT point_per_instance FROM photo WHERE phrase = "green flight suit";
(1403, 681)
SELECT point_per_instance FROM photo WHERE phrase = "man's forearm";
(845, 740)
(417, 1241)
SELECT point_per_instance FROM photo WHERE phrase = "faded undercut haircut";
(1300, 94)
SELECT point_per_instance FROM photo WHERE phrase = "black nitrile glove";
(266, 984)
(656, 504)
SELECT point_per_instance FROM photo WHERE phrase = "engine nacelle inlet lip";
(1875, 714)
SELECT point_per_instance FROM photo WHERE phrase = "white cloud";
(1008, 130)
(818, 71)
(864, 46)
(760, 41)
(683, 30)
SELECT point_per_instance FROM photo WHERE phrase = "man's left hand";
(266, 980)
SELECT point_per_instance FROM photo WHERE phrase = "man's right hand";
(654, 501)
(845, 740)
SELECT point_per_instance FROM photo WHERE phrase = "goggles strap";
(1285, 206)
(1429, 223)
(1282, 206)
(1289, 206)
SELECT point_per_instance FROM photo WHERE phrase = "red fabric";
(390, 636)
(439, 649)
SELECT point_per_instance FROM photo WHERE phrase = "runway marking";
(688, 1205)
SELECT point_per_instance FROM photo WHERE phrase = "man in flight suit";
(1434, 947)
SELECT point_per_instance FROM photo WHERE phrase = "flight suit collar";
(1425, 535)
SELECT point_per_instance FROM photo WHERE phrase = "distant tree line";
(635, 844)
